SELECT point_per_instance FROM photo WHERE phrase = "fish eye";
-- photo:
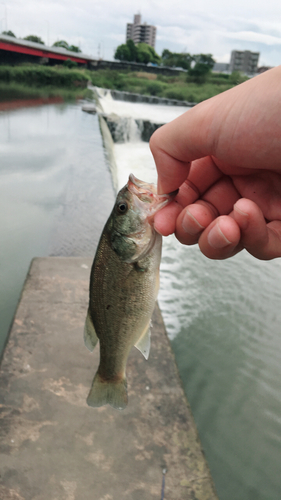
(122, 207)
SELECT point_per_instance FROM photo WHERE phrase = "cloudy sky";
(203, 26)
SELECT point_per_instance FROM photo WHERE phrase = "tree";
(126, 52)
(122, 53)
(74, 48)
(203, 65)
(154, 57)
(178, 60)
(8, 33)
(206, 59)
(132, 50)
(34, 38)
(142, 53)
(64, 45)
(61, 43)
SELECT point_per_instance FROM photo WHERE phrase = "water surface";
(55, 192)
(223, 318)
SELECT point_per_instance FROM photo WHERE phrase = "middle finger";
(216, 201)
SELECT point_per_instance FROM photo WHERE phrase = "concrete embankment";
(52, 445)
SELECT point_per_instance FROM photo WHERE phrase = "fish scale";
(123, 288)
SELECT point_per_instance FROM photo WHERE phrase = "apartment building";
(244, 61)
(139, 32)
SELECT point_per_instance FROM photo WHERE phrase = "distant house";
(220, 68)
(141, 32)
(244, 61)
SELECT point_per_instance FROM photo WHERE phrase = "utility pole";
(6, 17)
(48, 33)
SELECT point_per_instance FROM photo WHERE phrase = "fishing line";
(163, 483)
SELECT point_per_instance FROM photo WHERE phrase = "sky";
(211, 27)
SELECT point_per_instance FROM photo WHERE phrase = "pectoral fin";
(90, 336)
(143, 344)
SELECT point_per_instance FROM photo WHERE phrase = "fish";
(124, 284)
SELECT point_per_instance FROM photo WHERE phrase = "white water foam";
(156, 113)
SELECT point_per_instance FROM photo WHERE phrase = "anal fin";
(90, 336)
(143, 344)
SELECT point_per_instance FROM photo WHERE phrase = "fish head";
(132, 233)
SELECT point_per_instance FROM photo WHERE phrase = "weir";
(52, 446)
(132, 97)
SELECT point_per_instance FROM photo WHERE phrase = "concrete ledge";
(52, 445)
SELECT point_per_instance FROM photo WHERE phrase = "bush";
(11, 91)
(70, 64)
(38, 76)
(155, 88)
(236, 78)
(174, 93)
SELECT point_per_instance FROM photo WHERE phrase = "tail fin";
(106, 392)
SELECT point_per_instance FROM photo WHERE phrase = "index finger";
(201, 175)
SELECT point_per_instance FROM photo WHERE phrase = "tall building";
(245, 61)
(141, 32)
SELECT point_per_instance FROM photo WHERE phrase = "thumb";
(177, 143)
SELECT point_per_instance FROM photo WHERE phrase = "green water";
(224, 320)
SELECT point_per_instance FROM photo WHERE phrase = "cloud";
(216, 27)
(250, 36)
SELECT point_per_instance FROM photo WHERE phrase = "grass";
(35, 81)
(12, 91)
(181, 87)
(38, 76)
(28, 81)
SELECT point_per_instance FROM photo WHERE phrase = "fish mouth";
(146, 193)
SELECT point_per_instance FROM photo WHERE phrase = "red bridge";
(15, 50)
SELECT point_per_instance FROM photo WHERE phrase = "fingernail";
(190, 224)
(244, 222)
(216, 238)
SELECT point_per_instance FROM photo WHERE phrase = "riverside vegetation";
(31, 81)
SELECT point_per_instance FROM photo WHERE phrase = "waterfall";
(126, 130)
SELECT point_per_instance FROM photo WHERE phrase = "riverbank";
(41, 81)
(52, 443)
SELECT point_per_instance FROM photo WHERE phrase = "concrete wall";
(133, 66)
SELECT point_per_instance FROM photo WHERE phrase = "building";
(244, 61)
(220, 67)
(141, 32)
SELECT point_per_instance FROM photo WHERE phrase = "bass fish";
(124, 284)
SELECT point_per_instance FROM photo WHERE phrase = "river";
(55, 192)
(223, 318)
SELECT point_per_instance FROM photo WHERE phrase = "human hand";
(224, 155)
